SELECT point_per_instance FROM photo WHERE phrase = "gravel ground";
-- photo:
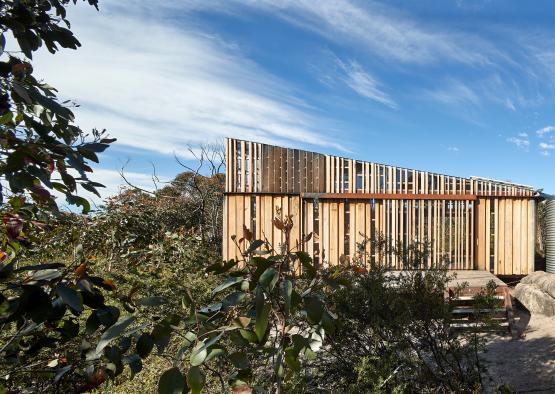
(527, 364)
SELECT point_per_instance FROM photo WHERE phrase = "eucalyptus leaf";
(263, 308)
(306, 262)
(171, 381)
(113, 332)
(287, 289)
(151, 301)
(145, 344)
(292, 359)
(213, 353)
(228, 283)
(199, 354)
(70, 297)
(195, 380)
(239, 360)
(135, 364)
(314, 308)
(269, 278)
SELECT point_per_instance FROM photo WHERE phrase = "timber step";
(466, 316)
(471, 298)
(503, 326)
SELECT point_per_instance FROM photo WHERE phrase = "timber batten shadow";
(469, 223)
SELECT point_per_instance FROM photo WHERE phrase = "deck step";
(471, 298)
(466, 317)
(502, 326)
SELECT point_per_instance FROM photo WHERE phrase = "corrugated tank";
(550, 235)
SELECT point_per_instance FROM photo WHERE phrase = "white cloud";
(545, 153)
(545, 146)
(454, 92)
(519, 142)
(523, 135)
(546, 130)
(509, 104)
(158, 87)
(113, 184)
(453, 149)
(358, 79)
(385, 32)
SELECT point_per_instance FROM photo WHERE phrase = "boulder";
(543, 280)
(535, 299)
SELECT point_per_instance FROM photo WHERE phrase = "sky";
(458, 87)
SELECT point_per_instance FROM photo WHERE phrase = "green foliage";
(393, 335)
(40, 148)
(136, 226)
(144, 286)
(46, 306)
(263, 322)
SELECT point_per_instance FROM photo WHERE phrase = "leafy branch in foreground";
(41, 149)
(43, 305)
(264, 323)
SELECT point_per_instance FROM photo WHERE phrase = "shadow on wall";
(539, 262)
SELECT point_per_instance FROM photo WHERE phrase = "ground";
(527, 364)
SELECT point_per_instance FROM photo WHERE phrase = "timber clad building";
(469, 223)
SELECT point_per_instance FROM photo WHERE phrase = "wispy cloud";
(453, 149)
(454, 92)
(174, 86)
(509, 104)
(359, 80)
(545, 146)
(113, 181)
(386, 33)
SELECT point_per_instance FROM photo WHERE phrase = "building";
(468, 223)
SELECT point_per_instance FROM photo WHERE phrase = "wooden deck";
(475, 278)
(464, 314)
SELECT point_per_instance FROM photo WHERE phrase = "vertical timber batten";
(468, 223)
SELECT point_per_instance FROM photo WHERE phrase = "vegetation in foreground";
(135, 298)
(271, 322)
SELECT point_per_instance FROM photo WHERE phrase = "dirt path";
(526, 365)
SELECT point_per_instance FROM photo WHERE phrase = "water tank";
(550, 235)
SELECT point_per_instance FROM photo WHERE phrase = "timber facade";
(467, 223)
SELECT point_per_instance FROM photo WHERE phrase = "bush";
(145, 277)
(394, 334)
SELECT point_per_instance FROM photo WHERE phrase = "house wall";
(336, 203)
(505, 235)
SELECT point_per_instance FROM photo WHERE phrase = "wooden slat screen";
(469, 223)
(256, 213)
(342, 225)
(255, 168)
(505, 242)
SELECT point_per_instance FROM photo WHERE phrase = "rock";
(534, 299)
(543, 280)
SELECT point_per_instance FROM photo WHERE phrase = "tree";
(42, 304)
(201, 185)
(40, 148)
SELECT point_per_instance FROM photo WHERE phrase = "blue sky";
(458, 87)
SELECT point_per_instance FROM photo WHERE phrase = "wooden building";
(468, 223)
